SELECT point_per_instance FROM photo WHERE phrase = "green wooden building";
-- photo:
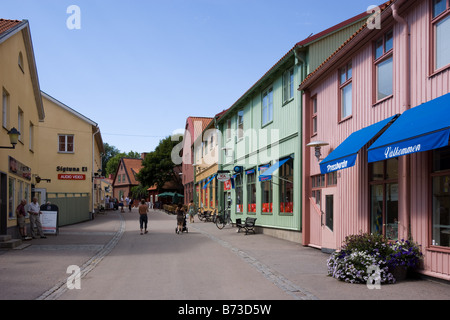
(261, 138)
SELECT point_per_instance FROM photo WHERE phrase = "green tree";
(113, 162)
(158, 167)
(110, 151)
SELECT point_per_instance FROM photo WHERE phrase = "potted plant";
(405, 255)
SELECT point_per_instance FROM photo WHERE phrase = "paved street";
(117, 262)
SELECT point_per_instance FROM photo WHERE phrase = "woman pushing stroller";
(181, 219)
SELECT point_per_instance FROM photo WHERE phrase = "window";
(288, 85)
(329, 208)
(286, 187)
(31, 138)
(345, 87)
(317, 183)
(240, 124)
(384, 65)
(251, 190)
(266, 192)
(20, 123)
(384, 198)
(5, 109)
(239, 194)
(441, 198)
(228, 129)
(20, 62)
(332, 179)
(267, 106)
(314, 116)
(441, 30)
(66, 143)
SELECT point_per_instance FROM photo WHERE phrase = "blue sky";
(139, 68)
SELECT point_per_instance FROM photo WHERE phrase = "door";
(40, 194)
(3, 203)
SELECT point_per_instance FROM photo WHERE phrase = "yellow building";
(69, 160)
(22, 108)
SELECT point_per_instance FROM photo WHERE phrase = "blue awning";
(344, 156)
(425, 127)
(212, 178)
(267, 175)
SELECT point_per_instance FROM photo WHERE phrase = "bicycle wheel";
(220, 222)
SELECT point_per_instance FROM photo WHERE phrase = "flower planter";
(399, 273)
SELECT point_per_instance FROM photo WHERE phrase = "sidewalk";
(304, 269)
(39, 271)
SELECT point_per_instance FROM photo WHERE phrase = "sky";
(140, 68)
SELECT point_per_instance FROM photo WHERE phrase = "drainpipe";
(93, 173)
(405, 162)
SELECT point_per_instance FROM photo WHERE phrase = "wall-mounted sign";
(71, 177)
(18, 168)
(71, 169)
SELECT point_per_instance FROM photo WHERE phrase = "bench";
(249, 225)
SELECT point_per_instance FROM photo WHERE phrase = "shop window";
(266, 192)
(239, 194)
(251, 190)
(441, 198)
(441, 29)
(384, 198)
(286, 187)
(384, 65)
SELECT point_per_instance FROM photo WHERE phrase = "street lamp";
(13, 138)
(317, 145)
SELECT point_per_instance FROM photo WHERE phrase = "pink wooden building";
(387, 86)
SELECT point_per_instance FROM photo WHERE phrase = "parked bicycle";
(223, 218)
(206, 216)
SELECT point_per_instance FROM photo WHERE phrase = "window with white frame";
(5, 109)
(267, 106)
(384, 62)
(66, 143)
(20, 123)
(31, 137)
(441, 30)
(228, 132)
(345, 86)
(240, 124)
(288, 85)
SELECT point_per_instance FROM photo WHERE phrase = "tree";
(158, 167)
(113, 162)
(110, 151)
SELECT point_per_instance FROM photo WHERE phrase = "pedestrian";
(181, 215)
(34, 209)
(121, 204)
(191, 211)
(143, 217)
(20, 212)
(130, 204)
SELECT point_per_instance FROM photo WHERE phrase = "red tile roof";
(5, 24)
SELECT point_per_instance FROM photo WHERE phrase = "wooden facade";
(408, 31)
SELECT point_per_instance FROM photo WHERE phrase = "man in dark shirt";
(20, 212)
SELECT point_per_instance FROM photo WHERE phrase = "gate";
(73, 207)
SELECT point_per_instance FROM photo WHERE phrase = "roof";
(132, 166)
(358, 34)
(196, 131)
(6, 25)
(306, 42)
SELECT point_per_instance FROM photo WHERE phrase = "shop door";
(3, 203)
(328, 240)
(40, 194)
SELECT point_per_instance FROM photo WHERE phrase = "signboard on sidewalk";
(49, 219)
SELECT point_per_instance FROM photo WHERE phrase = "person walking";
(191, 211)
(143, 217)
(34, 209)
(181, 215)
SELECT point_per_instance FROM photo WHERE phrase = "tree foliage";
(113, 162)
(158, 167)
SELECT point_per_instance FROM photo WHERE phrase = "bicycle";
(223, 218)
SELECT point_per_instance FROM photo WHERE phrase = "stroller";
(185, 228)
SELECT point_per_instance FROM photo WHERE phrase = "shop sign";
(223, 177)
(71, 177)
(19, 169)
